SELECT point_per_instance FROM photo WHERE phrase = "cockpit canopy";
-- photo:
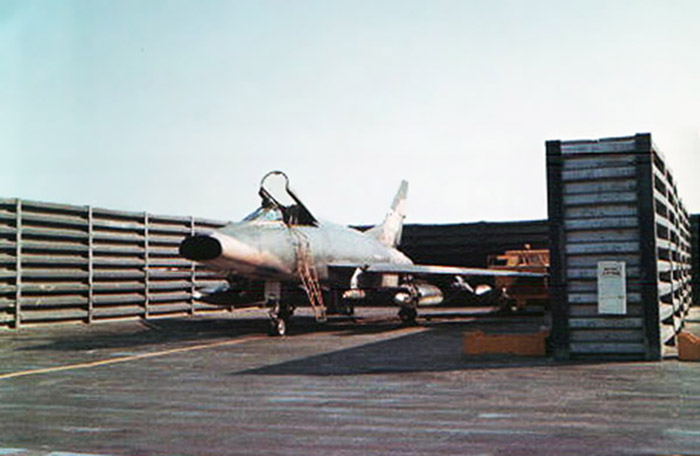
(280, 203)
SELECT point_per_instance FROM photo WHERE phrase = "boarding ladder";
(308, 274)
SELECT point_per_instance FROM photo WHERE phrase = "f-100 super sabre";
(282, 249)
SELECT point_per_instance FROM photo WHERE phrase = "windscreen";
(265, 214)
(275, 193)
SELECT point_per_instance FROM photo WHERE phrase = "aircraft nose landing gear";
(280, 313)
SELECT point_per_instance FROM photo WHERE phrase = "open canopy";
(279, 202)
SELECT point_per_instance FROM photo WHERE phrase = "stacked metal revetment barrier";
(615, 200)
(470, 244)
(78, 263)
(695, 255)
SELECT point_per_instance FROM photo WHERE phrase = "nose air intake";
(200, 248)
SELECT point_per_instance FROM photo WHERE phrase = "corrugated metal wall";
(77, 263)
(614, 199)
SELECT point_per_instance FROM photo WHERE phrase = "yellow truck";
(522, 292)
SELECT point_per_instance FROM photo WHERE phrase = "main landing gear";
(408, 315)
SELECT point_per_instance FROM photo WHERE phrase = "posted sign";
(612, 288)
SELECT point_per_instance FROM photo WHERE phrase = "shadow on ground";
(437, 348)
(142, 333)
(436, 345)
(133, 334)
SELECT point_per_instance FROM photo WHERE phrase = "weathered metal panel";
(607, 322)
(590, 310)
(74, 234)
(607, 336)
(603, 145)
(579, 199)
(616, 348)
(179, 308)
(591, 261)
(587, 174)
(122, 311)
(604, 248)
(597, 161)
(601, 211)
(603, 235)
(111, 299)
(46, 302)
(575, 274)
(592, 298)
(57, 247)
(54, 315)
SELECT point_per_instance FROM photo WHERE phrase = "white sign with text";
(612, 288)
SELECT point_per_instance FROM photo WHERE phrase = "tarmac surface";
(218, 385)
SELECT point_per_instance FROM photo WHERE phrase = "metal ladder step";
(308, 274)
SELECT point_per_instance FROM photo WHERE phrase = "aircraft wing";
(428, 270)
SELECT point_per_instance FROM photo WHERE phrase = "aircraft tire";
(408, 315)
(350, 310)
(278, 327)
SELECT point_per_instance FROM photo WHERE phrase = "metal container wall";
(63, 263)
(615, 200)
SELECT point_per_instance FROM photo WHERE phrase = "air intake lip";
(200, 248)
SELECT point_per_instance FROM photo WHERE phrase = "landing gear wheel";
(350, 310)
(408, 315)
(278, 327)
(506, 306)
(346, 308)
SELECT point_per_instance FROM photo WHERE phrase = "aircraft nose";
(200, 247)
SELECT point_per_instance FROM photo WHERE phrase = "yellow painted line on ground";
(124, 359)
(404, 331)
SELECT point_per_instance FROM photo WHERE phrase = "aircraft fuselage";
(267, 250)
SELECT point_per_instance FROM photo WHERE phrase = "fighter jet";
(282, 248)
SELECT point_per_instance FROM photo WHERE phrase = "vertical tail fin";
(389, 232)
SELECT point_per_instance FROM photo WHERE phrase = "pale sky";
(180, 107)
